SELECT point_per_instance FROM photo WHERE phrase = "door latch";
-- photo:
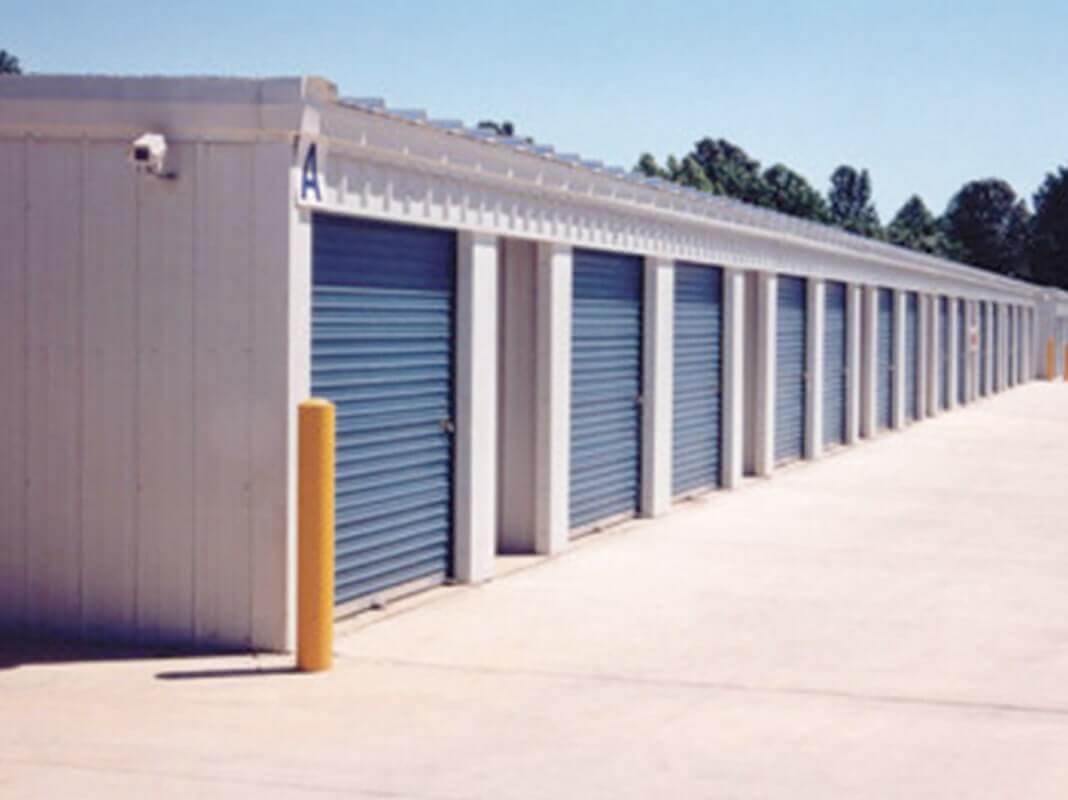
(448, 426)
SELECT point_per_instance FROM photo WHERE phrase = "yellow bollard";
(1051, 359)
(315, 547)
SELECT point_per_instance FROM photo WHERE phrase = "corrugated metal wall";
(885, 359)
(383, 306)
(606, 381)
(143, 338)
(791, 339)
(835, 353)
(698, 368)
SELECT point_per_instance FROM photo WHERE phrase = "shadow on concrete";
(204, 674)
(17, 652)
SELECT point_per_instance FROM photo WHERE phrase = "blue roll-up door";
(912, 355)
(606, 372)
(382, 351)
(984, 314)
(1012, 346)
(698, 359)
(995, 328)
(834, 363)
(944, 353)
(884, 397)
(790, 367)
(962, 351)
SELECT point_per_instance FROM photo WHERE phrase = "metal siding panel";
(606, 372)
(222, 376)
(944, 353)
(54, 312)
(383, 304)
(698, 365)
(912, 355)
(13, 399)
(109, 472)
(962, 351)
(791, 336)
(834, 363)
(885, 360)
(166, 438)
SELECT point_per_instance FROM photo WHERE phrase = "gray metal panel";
(885, 360)
(834, 363)
(962, 351)
(791, 333)
(382, 350)
(984, 326)
(606, 373)
(698, 367)
(912, 355)
(995, 330)
(944, 352)
(1012, 346)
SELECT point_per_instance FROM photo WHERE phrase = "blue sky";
(926, 95)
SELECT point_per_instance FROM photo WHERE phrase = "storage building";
(523, 346)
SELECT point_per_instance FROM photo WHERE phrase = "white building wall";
(144, 323)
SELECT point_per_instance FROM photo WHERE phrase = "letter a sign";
(309, 178)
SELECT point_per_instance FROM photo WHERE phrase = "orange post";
(315, 546)
(1051, 359)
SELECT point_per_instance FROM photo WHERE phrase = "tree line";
(984, 225)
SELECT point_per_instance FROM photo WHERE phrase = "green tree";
(987, 226)
(9, 64)
(850, 202)
(786, 191)
(648, 167)
(1048, 245)
(689, 173)
(916, 228)
(730, 170)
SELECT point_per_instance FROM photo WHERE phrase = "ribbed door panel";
(984, 326)
(606, 372)
(995, 330)
(790, 367)
(962, 351)
(943, 352)
(382, 351)
(698, 373)
(912, 355)
(834, 363)
(885, 360)
(1012, 346)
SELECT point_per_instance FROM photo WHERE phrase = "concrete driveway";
(891, 622)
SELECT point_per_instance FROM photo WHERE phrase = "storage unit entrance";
(945, 353)
(791, 338)
(698, 371)
(606, 385)
(835, 354)
(912, 355)
(382, 351)
(884, 365)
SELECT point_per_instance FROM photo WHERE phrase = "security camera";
(148, 153)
